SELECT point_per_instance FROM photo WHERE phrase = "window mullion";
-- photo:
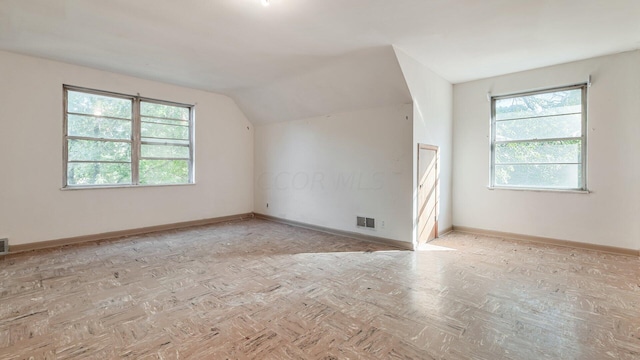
(135, 143)
(492, 172)
(65, 135)
(191, 146)
(538, 117)
(583, 156)
(101, 139)
(499, 142)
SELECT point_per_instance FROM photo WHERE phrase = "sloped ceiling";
(264, 55)
(357, 80)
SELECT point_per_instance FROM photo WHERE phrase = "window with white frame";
(538, 139)
(123, 140)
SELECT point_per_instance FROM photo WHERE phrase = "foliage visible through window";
(538, 139)
(114, 139)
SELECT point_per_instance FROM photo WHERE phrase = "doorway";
(428, 195)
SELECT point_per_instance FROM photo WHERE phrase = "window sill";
(94, 187)
(570, 191)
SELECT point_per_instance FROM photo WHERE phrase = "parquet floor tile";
(260, 290)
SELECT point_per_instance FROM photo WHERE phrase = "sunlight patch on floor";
(431, 247)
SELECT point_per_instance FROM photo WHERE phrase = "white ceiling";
(239, 46)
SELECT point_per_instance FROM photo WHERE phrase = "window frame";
(135, 140)
(583, 137)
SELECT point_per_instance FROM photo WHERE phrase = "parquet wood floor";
(261, 290)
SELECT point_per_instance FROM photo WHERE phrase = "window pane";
(91, 126)
(540, 128)
(87, 150)
(165, 151)
(98, 174)
(553, 176)
(166, 121)
(164, 131)
(553, 103)
(163, 111)
(164, 172)
(98, 105)
(564, 151)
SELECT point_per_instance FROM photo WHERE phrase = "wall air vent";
(365, 222)
(371, 223)
(4, 246)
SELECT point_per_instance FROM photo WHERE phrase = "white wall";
(433, 125)
(327, 170)
(362, 79)
(32, 206)
(609, 214)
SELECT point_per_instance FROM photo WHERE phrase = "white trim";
(573, 191)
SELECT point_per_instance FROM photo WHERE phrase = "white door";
(427, 193)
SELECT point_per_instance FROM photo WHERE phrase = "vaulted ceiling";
(273, 59)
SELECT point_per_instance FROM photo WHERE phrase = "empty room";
(320, 179)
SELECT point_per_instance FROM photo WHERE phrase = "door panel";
(427, 193)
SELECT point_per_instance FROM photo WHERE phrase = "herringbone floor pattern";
(261, 290)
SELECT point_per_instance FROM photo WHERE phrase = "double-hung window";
(123, 140)
(538, 139)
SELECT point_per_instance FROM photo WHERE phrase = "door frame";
(435, 190)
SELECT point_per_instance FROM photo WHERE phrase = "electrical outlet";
(382, 224)
(267, 205)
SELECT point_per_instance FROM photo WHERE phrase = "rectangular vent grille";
(4, 246)
(371, 223)
(362, 221)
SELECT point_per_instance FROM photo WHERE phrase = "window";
(122, 140)
(538, 139)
